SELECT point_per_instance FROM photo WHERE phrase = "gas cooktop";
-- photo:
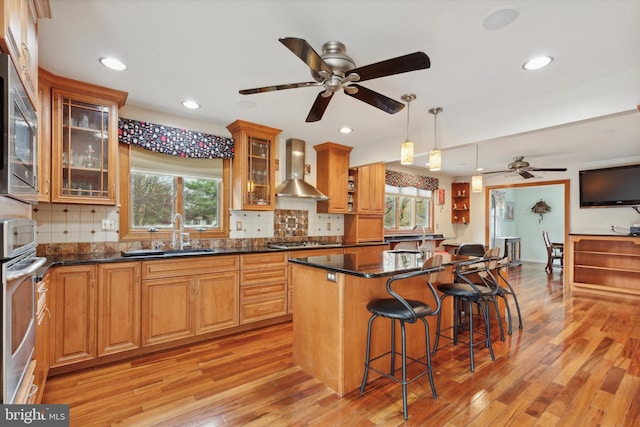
(302, 245)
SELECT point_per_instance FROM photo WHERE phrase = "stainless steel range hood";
(294, 185)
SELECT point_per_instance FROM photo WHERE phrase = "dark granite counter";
(391, 263)
(150, 254)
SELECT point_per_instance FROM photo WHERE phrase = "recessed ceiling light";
(192, 105)
(113, 63)
(538, 62)
(345, 129)
(500, 18)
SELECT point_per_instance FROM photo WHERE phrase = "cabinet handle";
(264, 309)
(27, 56)
(33, 390)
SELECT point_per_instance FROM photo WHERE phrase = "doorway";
(497, 209)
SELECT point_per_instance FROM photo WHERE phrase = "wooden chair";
(554, 251)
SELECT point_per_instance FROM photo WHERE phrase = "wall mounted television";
(609, 187)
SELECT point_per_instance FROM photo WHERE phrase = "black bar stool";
(404, 311)
(463, 289)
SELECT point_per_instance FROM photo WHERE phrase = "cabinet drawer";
(187, 267)
(262, 260)
(263, 276)
(263, 309)
(252, 292)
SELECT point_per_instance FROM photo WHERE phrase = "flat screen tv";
(616, 186)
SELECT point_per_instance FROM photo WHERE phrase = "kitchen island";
(330, 311)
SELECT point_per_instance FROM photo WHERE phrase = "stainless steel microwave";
(18, 165)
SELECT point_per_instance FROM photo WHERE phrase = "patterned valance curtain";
(174, 141)
(403, 179)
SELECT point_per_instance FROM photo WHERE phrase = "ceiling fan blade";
(318, 108)
(495, 172)
(376, 99)
(549, 169)
(525, 174)
(304, 51)
(278, 87)
(401, 64)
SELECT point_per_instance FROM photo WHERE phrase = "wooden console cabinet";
(604, 264)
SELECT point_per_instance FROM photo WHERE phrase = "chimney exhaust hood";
(294, 185)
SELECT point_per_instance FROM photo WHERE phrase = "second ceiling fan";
(522, 167)
(334, 71)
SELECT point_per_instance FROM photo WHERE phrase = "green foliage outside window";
(153, 200)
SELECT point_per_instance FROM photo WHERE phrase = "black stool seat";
(465, 291)
(480, 292)
(394, 309)
(404, 311)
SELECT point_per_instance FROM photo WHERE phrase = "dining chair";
(555, 251)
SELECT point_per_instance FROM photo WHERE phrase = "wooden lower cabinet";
(606, 265)
(73, 314)
(176, 303)
(118, 307)
(95, 311)
(263, 289)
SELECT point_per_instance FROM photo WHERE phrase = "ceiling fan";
(522, 167)
(334, 71)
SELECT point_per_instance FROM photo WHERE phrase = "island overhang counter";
(330, 313)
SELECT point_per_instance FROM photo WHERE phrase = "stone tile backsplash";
(78, 228)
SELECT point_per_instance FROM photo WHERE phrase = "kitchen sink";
(160, 252)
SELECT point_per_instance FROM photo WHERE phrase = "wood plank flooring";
(576, 362)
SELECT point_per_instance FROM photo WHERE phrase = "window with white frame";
(407, 207)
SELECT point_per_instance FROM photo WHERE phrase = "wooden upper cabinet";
(20, 40)
(44, 139)
(253, 170)
(333, 176)
(84, 141)
(370, 188)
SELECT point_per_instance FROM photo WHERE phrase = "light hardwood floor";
(576, 362)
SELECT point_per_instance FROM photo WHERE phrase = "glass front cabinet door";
(253, 170)
(84, 150)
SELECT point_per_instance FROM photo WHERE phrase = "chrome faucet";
(179, 239)
(424, 233)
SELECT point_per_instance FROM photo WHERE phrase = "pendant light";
(435, 155)
(406, 150)
(476, 180)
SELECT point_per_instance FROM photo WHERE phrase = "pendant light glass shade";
(406, 153)
(406, 150)
(476, 180)
(476, 184)
(435, 160)
(435, 155)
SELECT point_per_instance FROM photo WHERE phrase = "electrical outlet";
(613, 228)
(331, 276)
(108, 224)
(238, 225)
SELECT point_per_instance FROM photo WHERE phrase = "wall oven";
(19, 267)
(18, 154)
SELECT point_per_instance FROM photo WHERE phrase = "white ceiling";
(579, 110)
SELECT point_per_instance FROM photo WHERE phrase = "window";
(406, 208)
(155, 187)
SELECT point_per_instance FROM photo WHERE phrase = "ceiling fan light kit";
(406, 150)
(334, 70)
(435, 155)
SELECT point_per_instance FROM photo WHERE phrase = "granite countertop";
(392, 263)
(150, 254)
